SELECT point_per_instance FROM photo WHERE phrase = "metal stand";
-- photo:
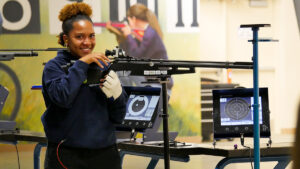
(36, 155)
(283, 161)
(255, 41)
(256, 97)
(132, 134)
(165, 117)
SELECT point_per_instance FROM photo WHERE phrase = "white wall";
(287, 64)
(220, 40)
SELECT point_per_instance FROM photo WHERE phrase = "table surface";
(225, 149)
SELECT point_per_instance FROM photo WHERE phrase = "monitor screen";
(233, 112)
(141, 107)
(238, 111)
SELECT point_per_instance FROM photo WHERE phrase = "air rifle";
(154, 68)
(9, 54)
(160, 67)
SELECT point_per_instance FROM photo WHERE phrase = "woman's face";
(81, 39)
(132, 22)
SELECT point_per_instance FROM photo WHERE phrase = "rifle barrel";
(185, 64)
(37, 50)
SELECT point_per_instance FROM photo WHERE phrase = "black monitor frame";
(3, 96)
(140, 125)
(230, 131)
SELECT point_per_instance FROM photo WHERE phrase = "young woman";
(79, 119)
(142, 38)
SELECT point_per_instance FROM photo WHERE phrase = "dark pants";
(81, 158)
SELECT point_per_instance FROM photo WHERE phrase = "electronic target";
(233, 112)
(237, 108)
(138, 105)
(141, 108)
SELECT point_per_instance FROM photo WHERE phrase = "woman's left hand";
(96, 58)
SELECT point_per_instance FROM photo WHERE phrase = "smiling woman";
(79, 119)
(81, 40)
(78, 33)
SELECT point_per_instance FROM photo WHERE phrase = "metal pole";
(165, 117)
(256, 97)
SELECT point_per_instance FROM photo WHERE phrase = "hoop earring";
(67, 46)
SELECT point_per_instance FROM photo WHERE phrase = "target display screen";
(233, 112)
(141, 107)
(238, 111)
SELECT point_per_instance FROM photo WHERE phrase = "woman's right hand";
(96, 58)
(112, 29)
(119, 35)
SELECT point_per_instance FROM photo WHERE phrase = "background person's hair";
(141, 12)
(71, 13)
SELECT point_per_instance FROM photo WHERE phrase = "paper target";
(138, 105)
(237, 108)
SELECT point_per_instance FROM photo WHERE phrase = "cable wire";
(242, 143)
(57, 155)
(18, 156)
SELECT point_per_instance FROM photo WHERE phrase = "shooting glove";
(112, 86)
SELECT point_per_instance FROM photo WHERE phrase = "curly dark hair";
(71, 13)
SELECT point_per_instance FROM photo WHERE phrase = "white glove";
(112, 86)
